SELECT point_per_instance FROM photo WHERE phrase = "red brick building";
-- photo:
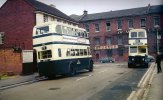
(108, 31)
(17, 19)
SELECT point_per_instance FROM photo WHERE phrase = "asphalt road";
(109, 81)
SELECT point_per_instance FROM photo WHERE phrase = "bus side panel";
(62, 66)
(46, 68)
(82, 63)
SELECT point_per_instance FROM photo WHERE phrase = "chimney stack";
(85, 12)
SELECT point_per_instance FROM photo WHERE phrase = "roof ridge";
(123, 13)
(116, 10)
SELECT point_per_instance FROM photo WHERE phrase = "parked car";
(107, 60)
(150, 58)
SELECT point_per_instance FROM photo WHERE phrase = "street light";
(157, 38)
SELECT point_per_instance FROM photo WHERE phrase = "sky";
(96, 6)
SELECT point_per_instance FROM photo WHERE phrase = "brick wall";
(113, 33)
(10, 61)
(17, 20)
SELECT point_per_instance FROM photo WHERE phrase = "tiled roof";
(121, 13)
(76, 17)
(48, 9)
(156, 9)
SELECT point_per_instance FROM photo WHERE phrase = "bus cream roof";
(59, 23)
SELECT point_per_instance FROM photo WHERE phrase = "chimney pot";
(85, 12)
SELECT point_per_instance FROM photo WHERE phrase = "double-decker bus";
(138, 49)
(61, 49)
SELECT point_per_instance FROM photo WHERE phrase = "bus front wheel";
(91, 66)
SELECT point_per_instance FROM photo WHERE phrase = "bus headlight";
(143, 59)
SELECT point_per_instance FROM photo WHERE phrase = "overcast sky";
(95, 6)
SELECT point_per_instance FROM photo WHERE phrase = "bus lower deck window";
(44, 54)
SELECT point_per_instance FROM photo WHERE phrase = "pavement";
(17, 80)
(155, 91)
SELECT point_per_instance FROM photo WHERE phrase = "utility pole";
(157, 38)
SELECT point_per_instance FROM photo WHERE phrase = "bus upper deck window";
(78, 33)
(64, 29)
(58, 29)
(42, 30)
(141, 34)
(86, 34)
(133, 34)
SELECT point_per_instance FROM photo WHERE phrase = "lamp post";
(157, 40)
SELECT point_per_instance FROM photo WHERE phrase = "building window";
(120, 52)
(108, 40)
(97, 41)
(108, 25)
(87, 27)
(52, 19)
(58, 20)
(142, 22)
(45, 18)
(119, 24)
(1, 38)
(110, 53)
(156, 20)
(130, 23)
(97, 27)
(120, 40)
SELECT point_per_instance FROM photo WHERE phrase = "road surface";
(110, 81)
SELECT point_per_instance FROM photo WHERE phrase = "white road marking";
(90, 75)
(102, 71)
(84, 77)
(81, 78)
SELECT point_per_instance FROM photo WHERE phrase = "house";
(17, 19)
(108, 31)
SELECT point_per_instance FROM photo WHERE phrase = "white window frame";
(154, 21)
(45, 18)
(108, 28)
(141, 22)
(130, 27)
(97, 27)
(119, 27)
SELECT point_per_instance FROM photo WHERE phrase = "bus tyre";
(129, 65)
(51, 77)
(72, 70)
(90, 66)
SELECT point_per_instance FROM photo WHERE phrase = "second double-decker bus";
(138, 48)
(61, 49)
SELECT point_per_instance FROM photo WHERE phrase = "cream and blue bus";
(138, 48)
(61, 49)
